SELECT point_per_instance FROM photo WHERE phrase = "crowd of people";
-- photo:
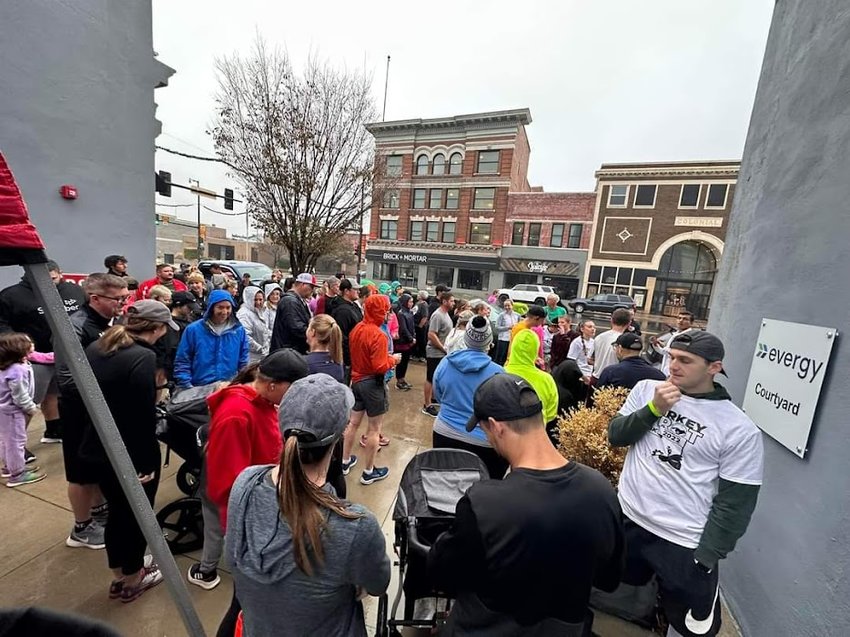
(291, 368)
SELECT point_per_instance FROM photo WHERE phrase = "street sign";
(786, 376)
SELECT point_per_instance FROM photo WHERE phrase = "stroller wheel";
(188, 478)
(182, 525)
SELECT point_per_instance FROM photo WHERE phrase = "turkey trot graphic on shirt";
(675, 432)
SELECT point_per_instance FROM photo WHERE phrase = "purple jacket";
(17, 389)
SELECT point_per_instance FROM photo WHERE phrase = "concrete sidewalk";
(37, 569)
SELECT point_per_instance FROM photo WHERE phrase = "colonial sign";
(551, 268)
(699, 222)
(786, 376)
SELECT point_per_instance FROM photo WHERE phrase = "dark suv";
(602, 303)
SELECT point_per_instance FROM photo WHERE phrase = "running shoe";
(25, 477)
(377, 473)
(151, 578)
(207, 581)
(115, 588)
(431, 410)
(29, 456)
(346, 466)
(90, 537)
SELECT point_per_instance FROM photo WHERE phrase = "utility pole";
(360, 237)
(386, 85)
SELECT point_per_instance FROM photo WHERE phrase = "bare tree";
(298, 145)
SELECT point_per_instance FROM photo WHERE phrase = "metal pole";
(199, 228)
(247, 234)
(360, 237)
(386, 84)
(69, 346)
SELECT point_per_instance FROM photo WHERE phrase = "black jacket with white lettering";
(21, 311)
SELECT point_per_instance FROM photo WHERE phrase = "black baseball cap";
(704, 344)
(179, 299)
(629, 340)
(536, 310)
(284, 365)
(346, 284)
(442, 288)
(499, 397)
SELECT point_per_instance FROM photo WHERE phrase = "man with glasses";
(21, 311)
(106, 296)
(690, 481)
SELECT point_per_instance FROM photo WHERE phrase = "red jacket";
(368, 344)
(145, 288)
(243, 431)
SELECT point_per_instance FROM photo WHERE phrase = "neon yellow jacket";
(521, 362)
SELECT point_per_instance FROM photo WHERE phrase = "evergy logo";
(803, 366)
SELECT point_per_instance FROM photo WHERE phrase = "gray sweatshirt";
(277, 598)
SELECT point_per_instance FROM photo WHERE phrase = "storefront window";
(473, 279)
(407, 274)
(385, 271)
(436, 275)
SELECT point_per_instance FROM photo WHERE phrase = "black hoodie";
(21, 311)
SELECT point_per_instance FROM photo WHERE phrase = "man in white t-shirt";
(604, 354)
(690, 481)
(684, 323)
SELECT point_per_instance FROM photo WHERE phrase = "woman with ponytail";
(324, 338)
(124, 364)
(302, 559)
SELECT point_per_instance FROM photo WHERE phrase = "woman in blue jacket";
(214, 348)
(455, 380)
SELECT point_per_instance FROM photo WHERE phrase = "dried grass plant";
(584, 433)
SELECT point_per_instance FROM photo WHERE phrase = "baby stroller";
(431, 486)
(182, 427)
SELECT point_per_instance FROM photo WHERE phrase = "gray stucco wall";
(77, 107)
(786, 258)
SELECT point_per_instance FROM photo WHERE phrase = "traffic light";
(163, 183)
(228, 199)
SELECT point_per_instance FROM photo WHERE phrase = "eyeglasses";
(120, 299)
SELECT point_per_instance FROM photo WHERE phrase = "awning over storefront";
(532, 266)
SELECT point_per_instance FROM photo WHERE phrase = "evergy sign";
(800, 364)
(786, 377)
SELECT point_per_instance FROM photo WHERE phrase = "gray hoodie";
(271, 311)
(254, 322)
(277, 598)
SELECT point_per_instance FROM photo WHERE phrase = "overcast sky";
(606, 80)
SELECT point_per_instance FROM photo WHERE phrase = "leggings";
(401, 368)
(125, 542)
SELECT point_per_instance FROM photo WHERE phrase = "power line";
(198, 157)
(175, 205)
(226, 214)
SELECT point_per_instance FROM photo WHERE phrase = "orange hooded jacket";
(368, 344)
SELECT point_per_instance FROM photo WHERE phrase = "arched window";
(455, 164)
(422, 165)
(439, 164)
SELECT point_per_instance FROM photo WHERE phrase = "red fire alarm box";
(68, 192)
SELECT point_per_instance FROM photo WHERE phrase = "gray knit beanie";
(478, 334)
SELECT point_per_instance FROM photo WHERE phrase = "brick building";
(659, 232)
(442, 220)
(546, 239)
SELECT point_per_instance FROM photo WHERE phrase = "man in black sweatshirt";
(523, 552)
(690, 482)
(21, 311)
(347, 315)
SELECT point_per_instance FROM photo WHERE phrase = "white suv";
(527, 293)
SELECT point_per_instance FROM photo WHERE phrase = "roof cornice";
(684, 169)
(475, 120)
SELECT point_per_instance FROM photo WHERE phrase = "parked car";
(602, 303)
(527, 293)
(259, 272)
